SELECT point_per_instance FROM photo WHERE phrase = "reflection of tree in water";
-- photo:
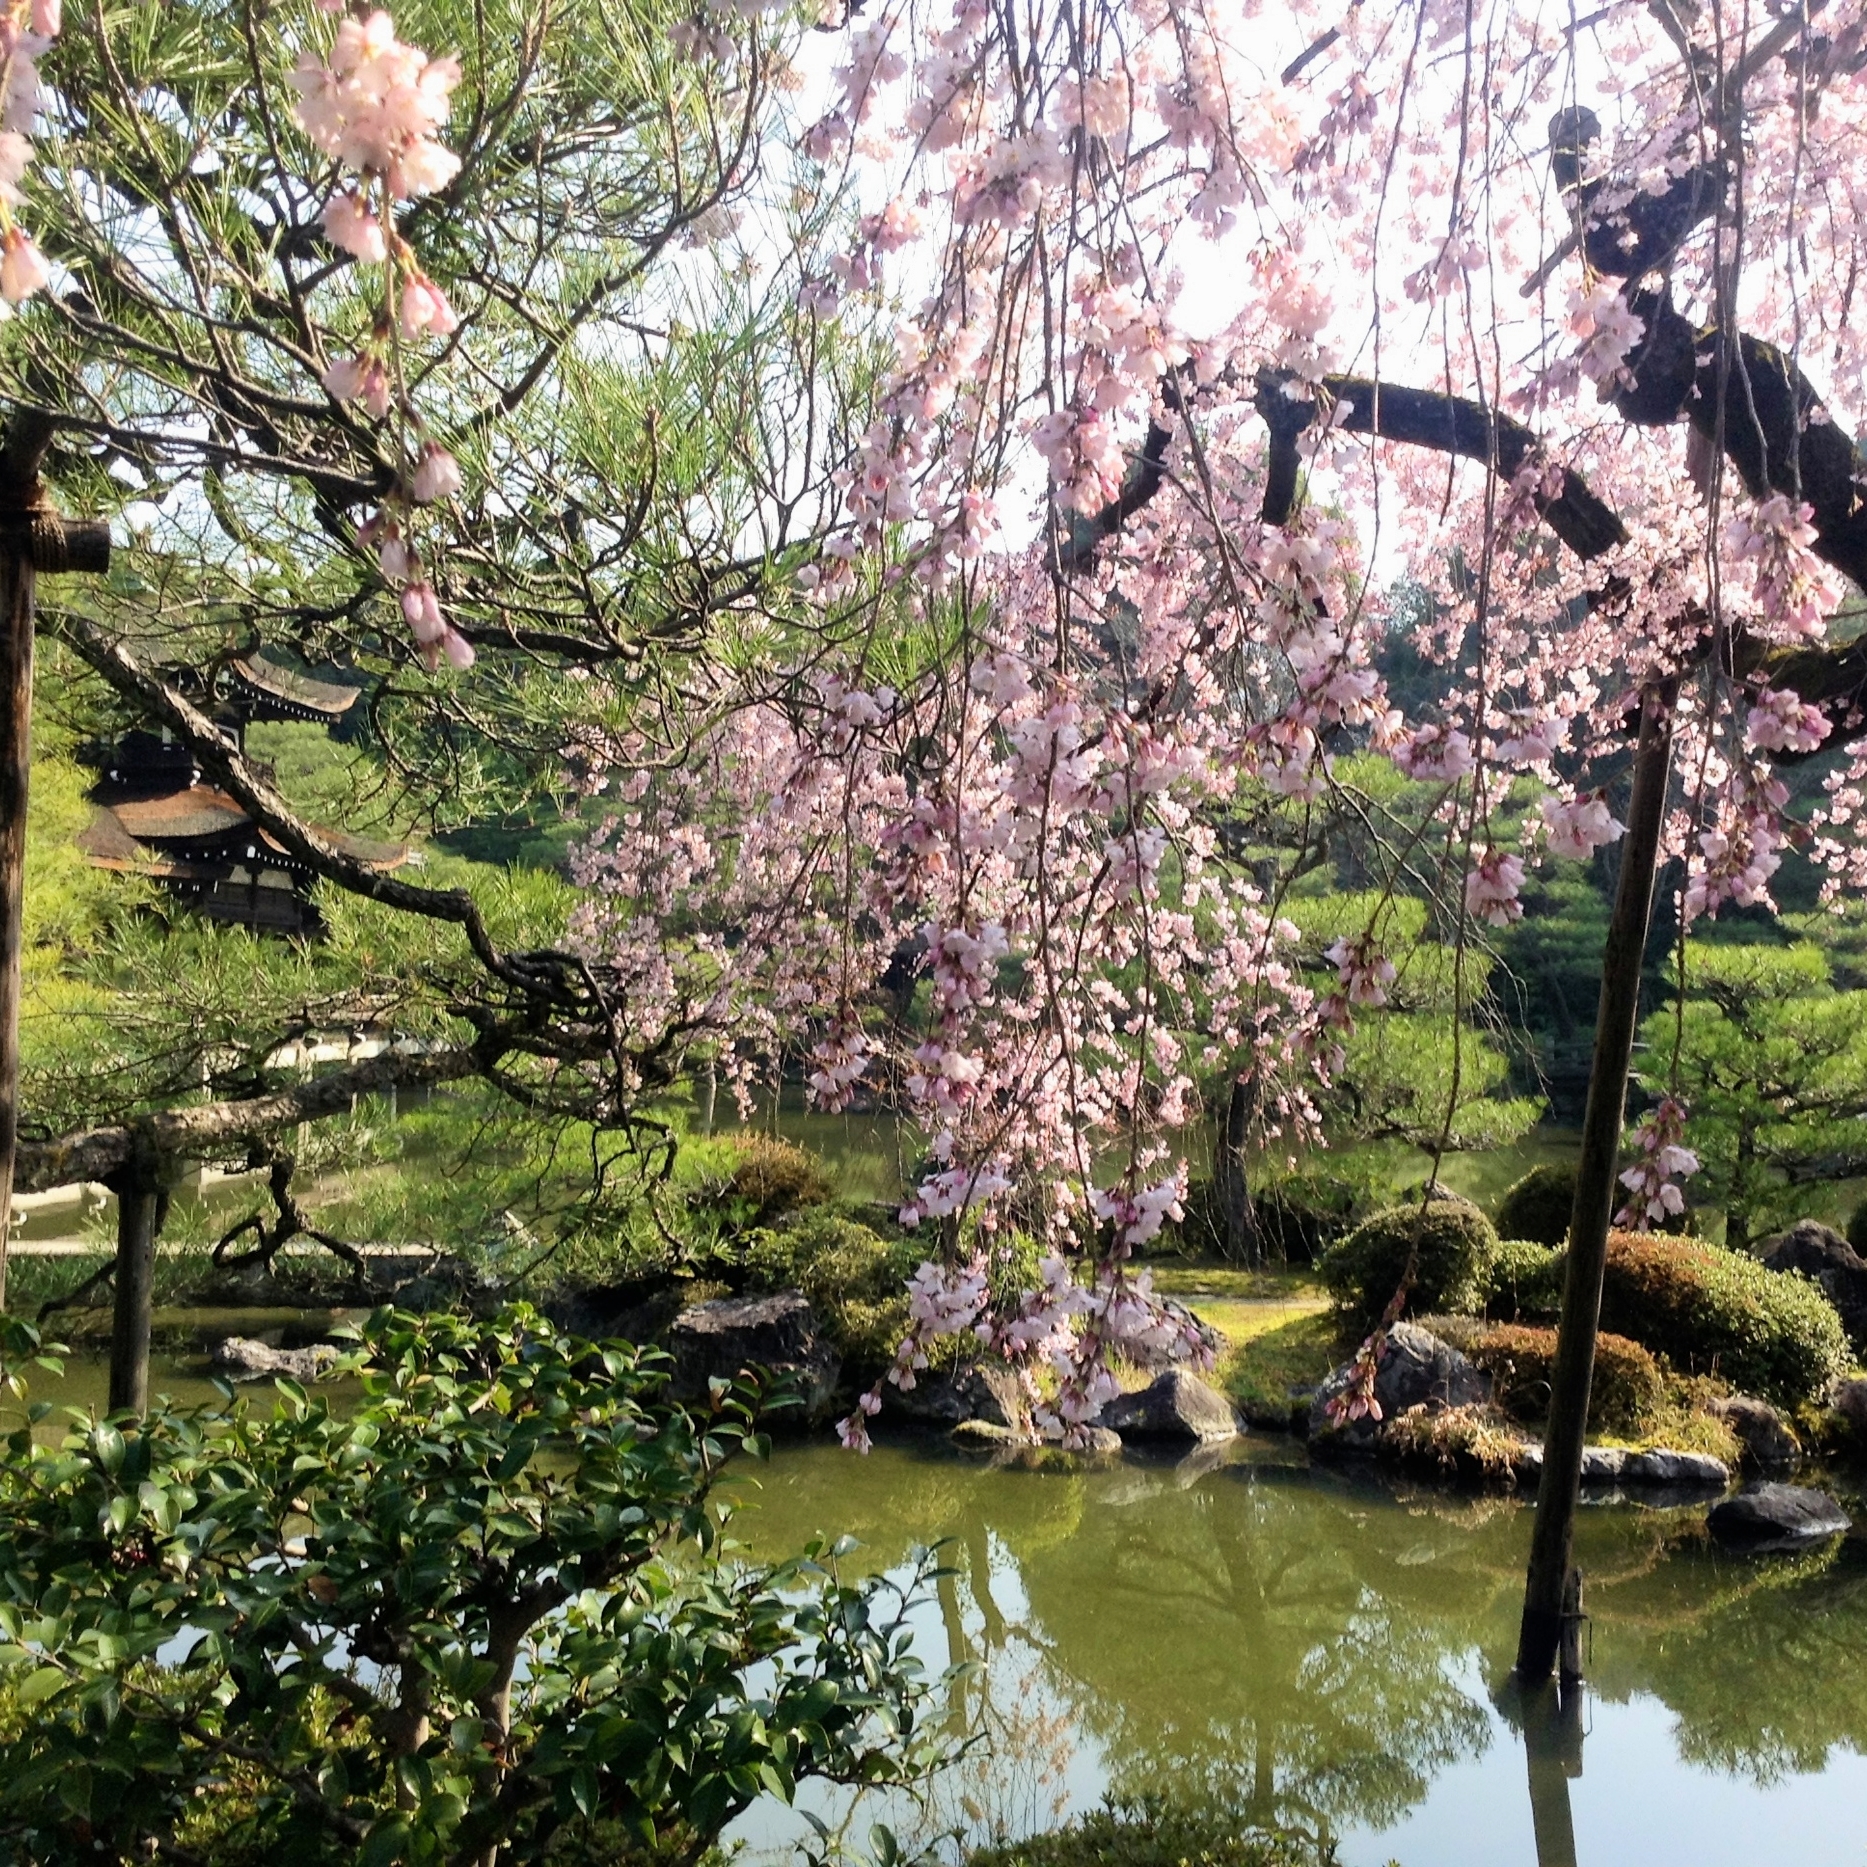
(1767, 1670)
(1307, 1645)
(1237, 1638)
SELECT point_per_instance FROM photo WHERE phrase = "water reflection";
(1329, 1651)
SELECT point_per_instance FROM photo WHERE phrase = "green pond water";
(1331, 1649)
(1325, 1647)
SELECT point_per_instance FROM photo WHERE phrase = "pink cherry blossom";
(436, 477)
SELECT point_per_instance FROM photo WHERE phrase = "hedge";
(1451, 1246)
(1628, 1387)
(1524, 1282)
(1538, 1206)
(1717, 1312)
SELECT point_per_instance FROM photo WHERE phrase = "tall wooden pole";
(33, 538)
(1552, 1540)
(139, 1194)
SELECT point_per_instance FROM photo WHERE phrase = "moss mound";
(1449, 1244)
(1628, 1390)
(1716, 1312)
(769, 1179)
(853, 1276)
(1524, 1283)
(1153, 1834)
(1538, 1206)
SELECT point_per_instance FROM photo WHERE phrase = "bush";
(1539, 1205)
(1156, 1834)
(854, 1278)
(1449, 1242)
(1716, 1312)
(1524, 1281)
(503, 1610)
(771, 1179)
(1627, 1392)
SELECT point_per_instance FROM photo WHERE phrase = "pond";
(1331, 1649)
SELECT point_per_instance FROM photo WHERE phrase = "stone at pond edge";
(1849, 1400)
(1151, 1361)
(1416, 1370)
(990, 1434)
(1614, 1465)
(1776, 1516)
(1176, 1405)
(1765, 1441)
(241, 1358)
(980, 1391)
(1663, 1467)
(779, 1332)
(1821, 1253)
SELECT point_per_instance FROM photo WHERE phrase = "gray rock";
(1151, 1361)
(1177, 1405)
(1764, 1440)
(1602, 1464)
(779, 1333)
(1662, 1467)
(980, 1391)
(1101, 1440)
(1416, 1370)
(1849, 1399)
(990, 1434)
(1820, 1252)
(1775, 1516)
(240, 1358)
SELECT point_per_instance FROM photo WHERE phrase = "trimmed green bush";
(1156, 1834)
(1449, 1243)
(1299, 1217)
(1524, 1281)
(854, 1278)
(1716, 1312)
(1538, 1206)
(1628, 1388)
(770, 1179)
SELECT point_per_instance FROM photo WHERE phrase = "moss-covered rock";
(1445, 1246)
(1538, 1206)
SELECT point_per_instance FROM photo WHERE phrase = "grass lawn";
(1278, 1327)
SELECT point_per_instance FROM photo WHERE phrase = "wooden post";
(139, 1195)
(1554, 1534)
(33, 538)
(1552, 1742)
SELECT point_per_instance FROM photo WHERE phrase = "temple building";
(156, 818)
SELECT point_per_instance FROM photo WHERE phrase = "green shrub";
(853, 1277)
(1448, 1242)
(1524, 1281)
(771, 1179)
(1627, 1391)
(518, 1522)
(1539, 1205)
(1155, 1833)
(1716, 1312)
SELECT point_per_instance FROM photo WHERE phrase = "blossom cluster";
(1653, 1180)
(27, 29)
(374, 105)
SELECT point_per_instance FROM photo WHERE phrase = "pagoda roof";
(117, 833)
(276, 681)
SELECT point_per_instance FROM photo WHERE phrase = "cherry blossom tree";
(1281, 303)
